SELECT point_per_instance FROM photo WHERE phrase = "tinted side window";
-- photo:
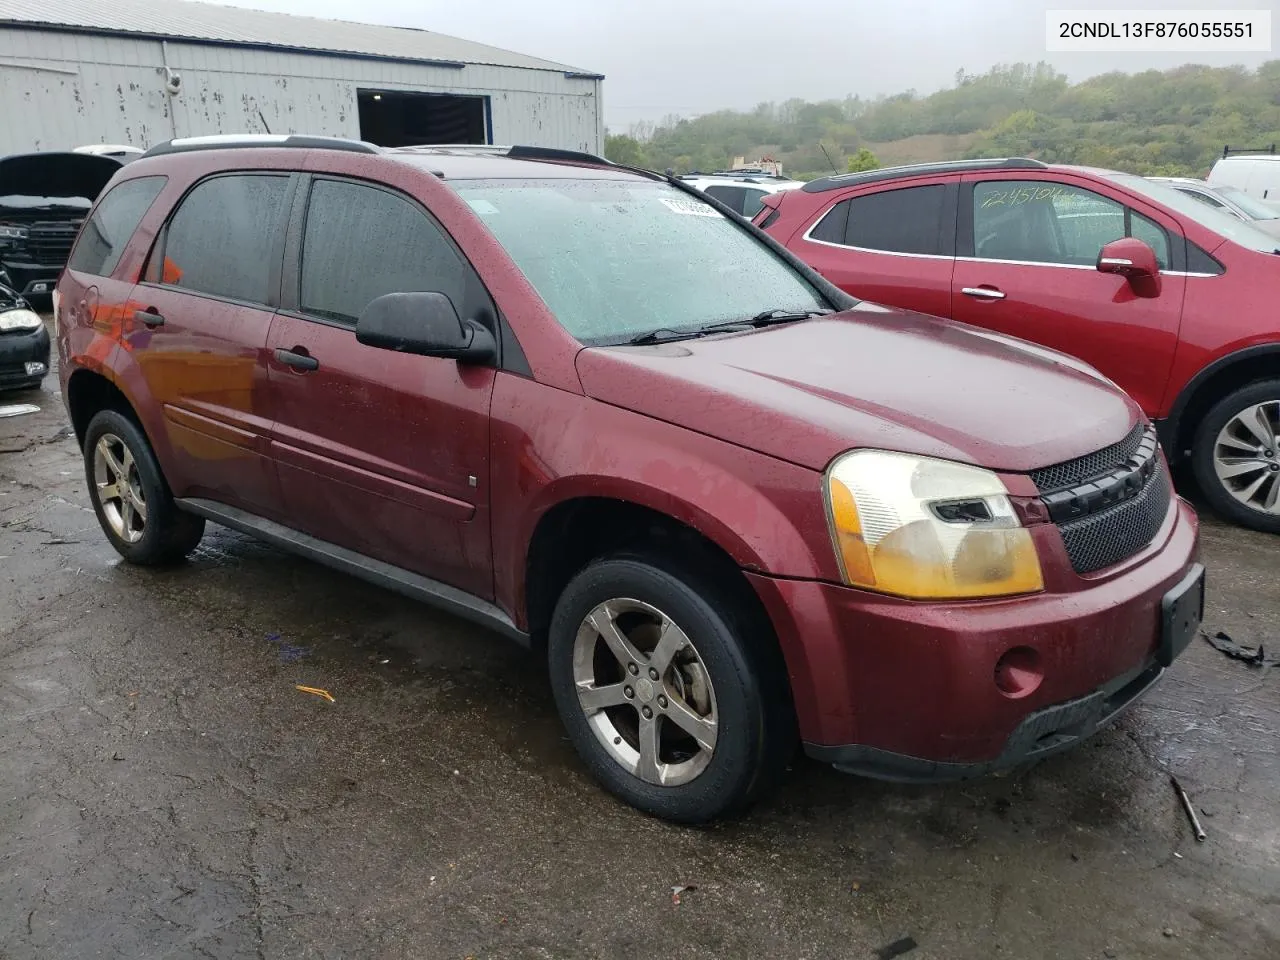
(898, 221)
(1041, 222)
(223, 237)
(107, 232)
(362, 242)
(731, 197)
(1200, 262)
(752, 202)
(831, 228)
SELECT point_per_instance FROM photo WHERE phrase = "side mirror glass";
(426, 324)
(1132, 258)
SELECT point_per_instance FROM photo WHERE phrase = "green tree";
(621, 148)
(864, 159)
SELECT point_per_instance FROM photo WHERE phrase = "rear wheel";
(659, 685)
(130, 496)
(1236, 456)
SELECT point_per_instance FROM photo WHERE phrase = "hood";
(56, 175)
(870, 377)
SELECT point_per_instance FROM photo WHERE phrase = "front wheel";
(660, 688)
(1236, 456)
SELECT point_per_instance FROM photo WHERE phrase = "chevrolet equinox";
(736, 509)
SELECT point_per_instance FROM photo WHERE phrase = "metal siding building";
(76, 72)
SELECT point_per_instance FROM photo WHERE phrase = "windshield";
(617, 258)
(1254, 208)
(1223, 224)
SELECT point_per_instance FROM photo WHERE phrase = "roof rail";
(245, 140)
(1227, 151)
(839, 180)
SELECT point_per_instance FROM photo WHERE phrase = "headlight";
(19, 320)
(10, 234)
(927, 529)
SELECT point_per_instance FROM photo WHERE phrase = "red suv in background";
(1173, 300)
(596, 411)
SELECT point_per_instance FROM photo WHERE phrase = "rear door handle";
(299, 361)
(150, 317)
(983, 293)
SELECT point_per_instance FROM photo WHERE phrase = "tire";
(721, 675)
(1249, 496)
(140, 520)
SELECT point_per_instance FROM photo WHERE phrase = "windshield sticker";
(689, 208)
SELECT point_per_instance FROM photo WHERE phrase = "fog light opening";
(1018, 673)
(35, 369)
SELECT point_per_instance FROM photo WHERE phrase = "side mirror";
(1130, 257)
(426, 324)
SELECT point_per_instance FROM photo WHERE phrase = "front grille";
(1118, 532)
(1071, 472)
(49, 244)
(1110, 504)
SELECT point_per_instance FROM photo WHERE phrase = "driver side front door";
(1027, 266)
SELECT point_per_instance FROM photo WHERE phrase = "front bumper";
(907, 690)
(32, 279)
(17, 349)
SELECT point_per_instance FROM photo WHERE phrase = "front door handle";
(983, 293)
(150, 317)
(299, 361)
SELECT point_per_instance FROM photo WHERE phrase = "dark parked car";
(598, 412)
(1170, 298)
(24, 343)
(44, 198)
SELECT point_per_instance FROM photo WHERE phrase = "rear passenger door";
(201, 315)
(894, 246)
(380, 452)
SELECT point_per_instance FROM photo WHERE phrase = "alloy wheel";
(645, 691)
(119, 488)
(1246, 456)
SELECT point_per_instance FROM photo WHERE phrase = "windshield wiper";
(661, 335)
(763, 319)
(766, 318)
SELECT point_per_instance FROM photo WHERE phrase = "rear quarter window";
(105, 235)
(908, 220)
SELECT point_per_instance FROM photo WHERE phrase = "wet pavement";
(166, 791)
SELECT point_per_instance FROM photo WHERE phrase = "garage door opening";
(397, 119)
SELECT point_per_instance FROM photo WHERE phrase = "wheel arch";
(1213, 382)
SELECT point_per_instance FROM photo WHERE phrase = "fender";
(550, 446)
(1170, 427)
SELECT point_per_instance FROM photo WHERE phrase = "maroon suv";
(590, 408)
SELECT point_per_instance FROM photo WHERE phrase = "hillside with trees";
(1155, 123)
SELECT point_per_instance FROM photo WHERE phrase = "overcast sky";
(663, 56)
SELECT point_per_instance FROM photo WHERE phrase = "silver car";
(1230, 200)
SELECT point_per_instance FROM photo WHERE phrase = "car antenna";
(822, 147)
(264, 121)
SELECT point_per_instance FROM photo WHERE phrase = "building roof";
(213, 23)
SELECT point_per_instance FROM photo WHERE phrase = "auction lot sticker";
(1158, 31)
